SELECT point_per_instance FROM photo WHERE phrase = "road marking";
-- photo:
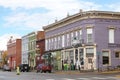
(67, 79)
(99, 78)
(83, 78)
(112, 77)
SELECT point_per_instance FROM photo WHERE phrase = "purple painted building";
(87, 39)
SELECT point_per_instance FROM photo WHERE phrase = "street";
(52, 76)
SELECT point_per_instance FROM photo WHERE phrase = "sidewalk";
(85, 72)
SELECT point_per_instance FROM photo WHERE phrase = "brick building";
(40, 46)
(14, 52)
(32, 47)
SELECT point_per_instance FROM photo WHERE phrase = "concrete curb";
(78, 72)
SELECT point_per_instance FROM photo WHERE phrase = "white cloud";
(56, 9)
(49, 4)
(5, 38)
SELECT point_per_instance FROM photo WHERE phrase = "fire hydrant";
(18, 71)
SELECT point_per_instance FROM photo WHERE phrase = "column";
(84, 56)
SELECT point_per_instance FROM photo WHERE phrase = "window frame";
(118, 56)
(90, 35)
(111, 35)
(108, 57)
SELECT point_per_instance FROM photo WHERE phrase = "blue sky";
(20, 17)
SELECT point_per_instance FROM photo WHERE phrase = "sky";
(21, 17)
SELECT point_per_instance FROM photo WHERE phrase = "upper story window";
(59, 42)
(63, 40)
(89, 35)
(80, 35)
(117, 54)
(68, 39)
(111, 35)
(52, 43)
(76, 34)
(72, 34)
(46, 44)
(55, 43)
(49, 44)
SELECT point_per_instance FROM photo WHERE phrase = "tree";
(4, 57)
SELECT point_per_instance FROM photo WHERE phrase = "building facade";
(40, 47)
(89, 40)
(24, 56)
(1, 58)
(32, 48)
(14, 52)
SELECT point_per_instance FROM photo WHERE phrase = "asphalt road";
(53, 76)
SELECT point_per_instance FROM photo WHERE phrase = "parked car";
(24, 68)
(6, 68)
(44, 68)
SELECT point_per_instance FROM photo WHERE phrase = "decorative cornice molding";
(65, 32)
(82, 16)
(111, 27)
(89, 26)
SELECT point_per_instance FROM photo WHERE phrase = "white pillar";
(78, 54)
(85, 64)
(95, 58)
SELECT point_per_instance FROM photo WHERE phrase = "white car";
(6, 68)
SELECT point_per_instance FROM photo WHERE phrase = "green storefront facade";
(32, 49)
(54, 58)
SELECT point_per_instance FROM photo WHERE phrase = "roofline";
(81, 13)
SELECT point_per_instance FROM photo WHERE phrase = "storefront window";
(81, 56)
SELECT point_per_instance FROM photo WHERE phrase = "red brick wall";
(14, 52)
(18, 52)
(40, 44)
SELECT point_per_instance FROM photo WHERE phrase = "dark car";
(24, 68)
(6, 68)
(44, 68)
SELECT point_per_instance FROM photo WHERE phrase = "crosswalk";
(91, 78)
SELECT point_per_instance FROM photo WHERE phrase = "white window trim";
(111, 35)
(109, 57)
(89, 31)
(63, 40)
